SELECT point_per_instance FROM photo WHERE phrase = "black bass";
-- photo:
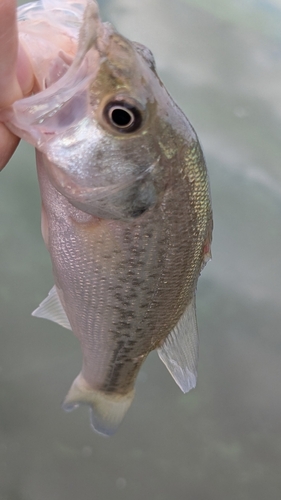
(126, 213)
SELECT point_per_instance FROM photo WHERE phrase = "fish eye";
(123, 116)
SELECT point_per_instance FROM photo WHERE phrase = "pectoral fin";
(179, 352)
(51, 308)
(107, 410)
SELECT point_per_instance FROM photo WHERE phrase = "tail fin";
(107, 410)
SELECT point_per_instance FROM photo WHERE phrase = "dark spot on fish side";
(138, 211)
(123, 368)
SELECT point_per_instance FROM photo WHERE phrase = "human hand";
(16, 74)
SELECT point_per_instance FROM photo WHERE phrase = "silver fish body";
(126, 214)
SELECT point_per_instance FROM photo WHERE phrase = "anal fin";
(179, 351)
(51, 308)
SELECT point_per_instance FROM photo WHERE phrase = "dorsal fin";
(179, 352)
(51, 308)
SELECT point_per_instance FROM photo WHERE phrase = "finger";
(8, 144)
(25, 73)
(16, 72)
(9, 86)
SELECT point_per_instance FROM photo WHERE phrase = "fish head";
(98, 126)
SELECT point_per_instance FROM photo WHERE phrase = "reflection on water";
(222, 440)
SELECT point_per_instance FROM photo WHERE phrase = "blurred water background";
(221, 61)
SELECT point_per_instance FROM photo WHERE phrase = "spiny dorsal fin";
(51, 308)
(179, 352)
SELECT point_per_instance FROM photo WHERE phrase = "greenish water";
(221, 60)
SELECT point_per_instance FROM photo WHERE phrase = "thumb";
(15, 68)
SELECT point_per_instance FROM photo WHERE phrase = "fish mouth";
(42, 116)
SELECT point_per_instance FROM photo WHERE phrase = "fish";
(126, 207)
